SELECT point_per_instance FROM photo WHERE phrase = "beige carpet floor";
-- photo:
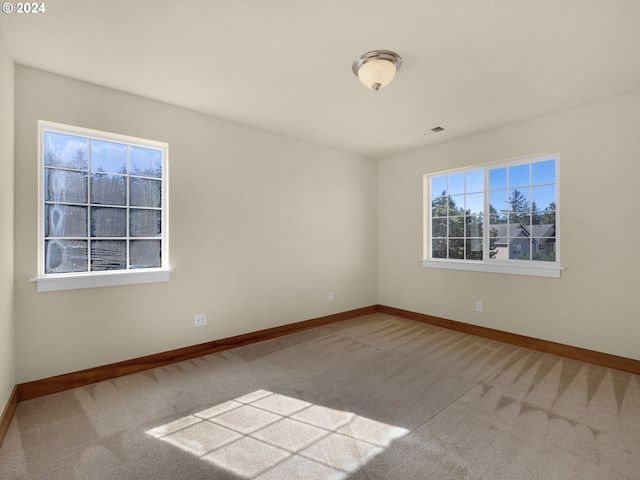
(376, 397)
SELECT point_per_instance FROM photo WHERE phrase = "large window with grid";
(500, 217)
(103, 206)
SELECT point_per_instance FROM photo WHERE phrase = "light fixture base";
(377, 68)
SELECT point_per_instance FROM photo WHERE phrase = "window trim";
(513, 267)
(74, 281)
(482, 266)
(78, 280)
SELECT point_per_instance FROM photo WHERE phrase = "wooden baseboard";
(576, 353)
(59, 383)
(46, 386)
(7, 413)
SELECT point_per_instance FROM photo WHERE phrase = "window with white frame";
(501, 217)
(103, 208)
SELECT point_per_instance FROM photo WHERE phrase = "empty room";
(319, 240)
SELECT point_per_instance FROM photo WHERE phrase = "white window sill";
(535, 270)
(74, 281)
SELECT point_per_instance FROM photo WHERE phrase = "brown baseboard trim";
(7, 413)
(575, 353)
(59, 383)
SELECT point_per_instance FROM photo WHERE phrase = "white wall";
(593, 304)
(7, 337)
(262, 227)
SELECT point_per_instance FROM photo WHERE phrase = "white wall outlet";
(479, 305)
(200, 320)
(331, 296)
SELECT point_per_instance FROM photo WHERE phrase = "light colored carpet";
(376, 397)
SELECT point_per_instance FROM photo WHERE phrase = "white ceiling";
(285, 65)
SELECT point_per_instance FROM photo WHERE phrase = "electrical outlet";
(479, 305)
(200, 320)
(331, 296)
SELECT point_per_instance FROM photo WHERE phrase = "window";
(499, 218)
(103, 209)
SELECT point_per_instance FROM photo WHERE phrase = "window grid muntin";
(515, 242)
(487, 214)
(459, 239)
(87, 136)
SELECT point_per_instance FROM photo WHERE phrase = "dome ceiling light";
(377, 68)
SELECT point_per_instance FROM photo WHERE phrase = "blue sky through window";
(535, 182)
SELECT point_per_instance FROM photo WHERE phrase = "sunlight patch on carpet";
(265, 435)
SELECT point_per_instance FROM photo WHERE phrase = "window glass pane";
(519, 176)
(456, 249)
(456, 205)
(104, 188)
(499, 249)
(108, 189)
(547, 217)
(474, 249)
(500, 232)
(456, 183)
(108, 222)
(145, 192)
(146, 162)
(145, 254)
(497, 218)
(108, 254)
(475, 181)
(438, 186)
(456, 226)
(498, 201)
(65, 221)
(543, 196)
(519, 200)
(439, 227)
(541, 231)
(66, 151)
(439, 207)
(145, 223)
(543, 172)
(497, 178)
(536, 218)
(65, 256)
(494, 241)
(519, 249)
(474, 203)
(108, 157)
(545, 250)
(65, 186)
(439, 249)
(518, 220)
(474, 226)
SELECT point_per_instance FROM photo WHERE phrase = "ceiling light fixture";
(376, 69)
